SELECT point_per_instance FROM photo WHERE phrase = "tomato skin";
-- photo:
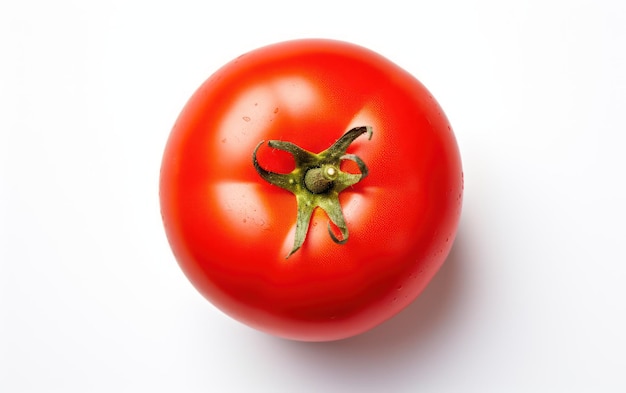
(230, 231)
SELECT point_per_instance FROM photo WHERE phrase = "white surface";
(531, 299)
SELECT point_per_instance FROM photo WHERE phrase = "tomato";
(311, 189)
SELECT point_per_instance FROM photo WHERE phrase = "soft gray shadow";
(396, 346)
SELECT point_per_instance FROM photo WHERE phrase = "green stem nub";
(317, 181)
(320, 180)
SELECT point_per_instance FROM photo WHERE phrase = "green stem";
(317, 181)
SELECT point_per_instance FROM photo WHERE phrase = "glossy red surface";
(230, 231)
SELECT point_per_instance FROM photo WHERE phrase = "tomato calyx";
(317, 181)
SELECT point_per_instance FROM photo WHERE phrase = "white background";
(531, 298)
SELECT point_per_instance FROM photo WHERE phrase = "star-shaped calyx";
(317, 181)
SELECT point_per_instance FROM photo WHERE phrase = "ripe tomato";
(266, 204)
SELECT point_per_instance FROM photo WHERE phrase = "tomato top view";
(311, 189)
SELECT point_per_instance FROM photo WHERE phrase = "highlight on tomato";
(311, 189)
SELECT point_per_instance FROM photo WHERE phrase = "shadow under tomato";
(412, 337)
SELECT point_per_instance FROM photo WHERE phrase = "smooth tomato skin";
(231, 231)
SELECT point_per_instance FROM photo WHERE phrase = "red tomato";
(233, 232)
